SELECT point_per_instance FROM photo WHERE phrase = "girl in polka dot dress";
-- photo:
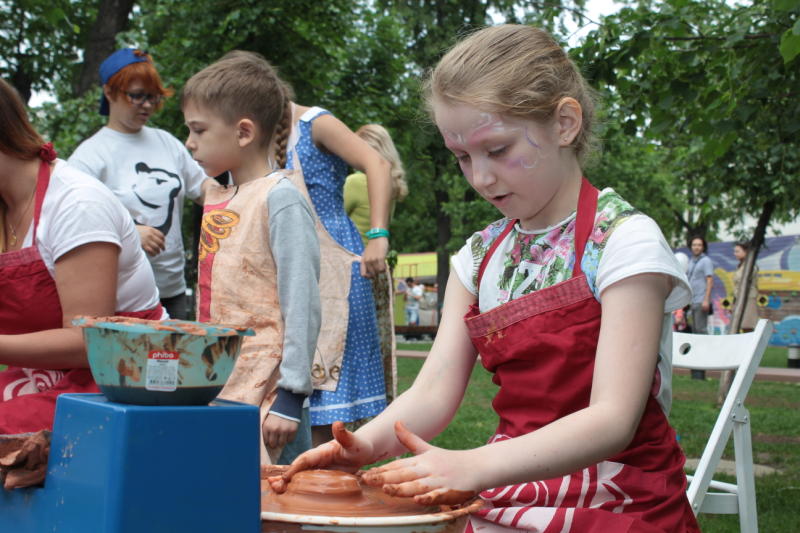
(325, 147)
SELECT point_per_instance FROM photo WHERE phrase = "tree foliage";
(700, 115)
(710, 84)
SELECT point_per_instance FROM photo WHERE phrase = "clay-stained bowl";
(330, 501)
(152, 362)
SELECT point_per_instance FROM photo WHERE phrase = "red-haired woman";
(67, 248)
(148, 169)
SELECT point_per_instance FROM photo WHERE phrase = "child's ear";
(245, 131)
(107, 92)
(569, 119)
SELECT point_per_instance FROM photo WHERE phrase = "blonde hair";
(514, 70)
(378, 138)
(244, 85)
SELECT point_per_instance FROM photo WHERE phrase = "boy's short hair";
(242, 85)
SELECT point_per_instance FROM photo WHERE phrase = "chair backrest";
(720, 352)
(740, 352)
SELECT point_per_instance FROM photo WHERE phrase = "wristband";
(375, 233)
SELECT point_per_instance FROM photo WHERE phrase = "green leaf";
(784, 5)
(790, 44)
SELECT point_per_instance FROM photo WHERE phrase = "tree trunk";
(22, 82)
(112, 18)
(744, 288)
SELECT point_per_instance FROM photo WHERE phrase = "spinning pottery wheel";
(329, 500)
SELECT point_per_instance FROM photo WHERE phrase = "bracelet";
(376, 233)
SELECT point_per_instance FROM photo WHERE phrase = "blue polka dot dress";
(361, 392)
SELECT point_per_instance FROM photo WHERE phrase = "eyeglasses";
(140, 98)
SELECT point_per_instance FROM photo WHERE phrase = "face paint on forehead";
(487, 123)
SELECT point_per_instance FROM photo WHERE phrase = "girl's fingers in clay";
(408, 489)
(277, 483)
(444, 496)
(320, 456)
(390, 476)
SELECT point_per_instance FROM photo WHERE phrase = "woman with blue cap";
(147, 168)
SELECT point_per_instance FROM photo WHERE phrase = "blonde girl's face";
(511, 162)
(212, 141)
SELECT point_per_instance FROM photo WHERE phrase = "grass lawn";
(775, 411)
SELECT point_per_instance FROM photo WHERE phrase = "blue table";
(118, 468)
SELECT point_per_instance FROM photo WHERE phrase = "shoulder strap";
(584, 221)
(42, 182)
(313, 113)
(500, 238)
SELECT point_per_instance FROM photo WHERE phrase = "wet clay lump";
(335, 493)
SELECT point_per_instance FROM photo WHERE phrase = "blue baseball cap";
(113, 64)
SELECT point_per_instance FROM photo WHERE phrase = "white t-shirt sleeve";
(87, 159)
(637, 246)
(84, 216)
(462, 264)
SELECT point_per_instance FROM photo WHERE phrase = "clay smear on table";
(335, 493)
(23, 459)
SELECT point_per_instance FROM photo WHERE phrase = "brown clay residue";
(175, 326)
(23, 459)
(334, 493)
(129, 369)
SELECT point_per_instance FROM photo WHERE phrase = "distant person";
(680, 323)
(356, 197)
(414, 293)
(148, 169)
(356, 204)
(750, 317)
(324, 148)
(701, 278)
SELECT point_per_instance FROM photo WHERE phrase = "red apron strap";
(584, 221)
(492, 248)
(42, 182)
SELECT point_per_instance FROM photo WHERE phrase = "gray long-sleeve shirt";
(295, 248)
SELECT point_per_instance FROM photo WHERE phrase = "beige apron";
(238, 285)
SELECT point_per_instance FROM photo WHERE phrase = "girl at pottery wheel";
(566, 299)
(67, 247)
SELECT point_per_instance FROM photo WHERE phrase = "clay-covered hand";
(373, 260)
(345, 452)
(434, 476)
(152, 239)
(278, 431)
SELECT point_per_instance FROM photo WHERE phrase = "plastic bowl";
(152, 362)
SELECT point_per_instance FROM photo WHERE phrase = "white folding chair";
(742, 353)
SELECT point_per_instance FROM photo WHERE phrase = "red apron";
(28, 303)
(541, 349)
